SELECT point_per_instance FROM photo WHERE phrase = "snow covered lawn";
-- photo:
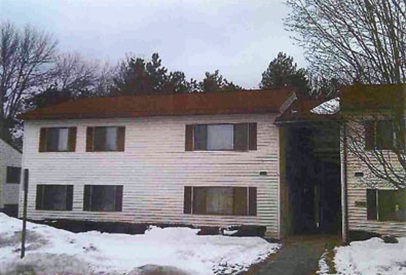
(369, 257)
(51, 251)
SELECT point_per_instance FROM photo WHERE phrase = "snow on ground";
(51, 251)
(323, 266)
(371, 257)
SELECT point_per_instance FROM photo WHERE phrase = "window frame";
(88, 200)
(371, 128)
(249, 205)
(250, 142)
(13, 178)
(71, 139)
(374, 200)
(40, 199)
(91, 138)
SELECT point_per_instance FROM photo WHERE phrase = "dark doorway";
(312, 172)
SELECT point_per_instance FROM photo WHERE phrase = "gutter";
(344, 190)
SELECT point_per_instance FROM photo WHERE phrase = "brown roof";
(370, 97)
(258, 101)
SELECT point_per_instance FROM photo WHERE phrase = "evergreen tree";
(283, 72)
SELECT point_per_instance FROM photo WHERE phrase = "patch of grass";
(330, 254)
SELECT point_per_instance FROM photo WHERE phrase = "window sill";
(54, 210)
(102, 211)
(221, 215)
(240, 151)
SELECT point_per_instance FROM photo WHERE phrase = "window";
(13, 174)
(220, 200)
(379, 135)
(386, 205)
(57, 139)
(54, 197)
(103, 198)
(103, 139)
(216, 137)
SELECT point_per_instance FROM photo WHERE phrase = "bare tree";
(375, 140)
(25, 56)
(361, 42)
(352, 41)
(71, 77)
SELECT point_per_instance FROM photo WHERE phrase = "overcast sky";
(237, 37)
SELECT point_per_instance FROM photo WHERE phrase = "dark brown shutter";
(72, 139)
(252, 211)
(86, 197)
(189, 138)
(39, 202)
(241, 137)
(252, 136)
(89, 139)
(401, 134)
(199, 200)
(69, 197)
(119, 198)
(42, 140)
(372, 211)
(369, 135)
(240, 201)
(187, 200)
(121, 139)
(384, 134)
(200, 137)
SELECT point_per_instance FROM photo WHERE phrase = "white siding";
(8, 157)
(357, 215)
(155, 168)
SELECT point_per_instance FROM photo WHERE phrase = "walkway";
(299, 255)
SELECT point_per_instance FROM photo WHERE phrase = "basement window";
(386, 205)
(54, 197)
(220, 200)
(103, 198)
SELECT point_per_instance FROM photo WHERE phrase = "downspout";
(345, 187)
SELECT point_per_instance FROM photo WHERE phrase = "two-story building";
(202, 159)
(206, 159)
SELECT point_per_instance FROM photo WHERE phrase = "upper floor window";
(54, 197)
(221, 137)
(13, 174)
(102, 139)
(379, 135)
(57, 139)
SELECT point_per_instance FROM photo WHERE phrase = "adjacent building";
(10, 170)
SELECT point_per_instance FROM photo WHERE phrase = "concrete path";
(299, 255)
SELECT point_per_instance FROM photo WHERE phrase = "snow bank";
(50, 250)
(371, 257)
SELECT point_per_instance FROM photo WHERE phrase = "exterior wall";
(8, 157)
(357, 215)
(155, 168)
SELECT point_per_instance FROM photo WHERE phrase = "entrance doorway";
(312, 178)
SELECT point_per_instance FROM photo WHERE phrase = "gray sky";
(239, 38)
